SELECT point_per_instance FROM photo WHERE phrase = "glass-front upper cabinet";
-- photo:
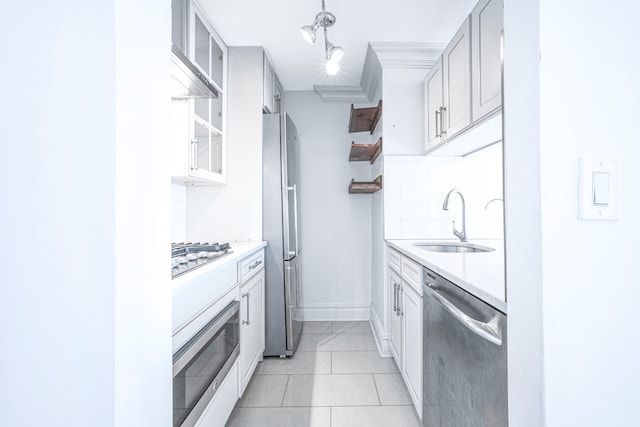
(199, 124)
(207, 133)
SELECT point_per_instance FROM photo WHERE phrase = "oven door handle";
(489, 331)
(183, 356)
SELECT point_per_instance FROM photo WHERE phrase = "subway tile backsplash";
(415, 188)
(178, 213)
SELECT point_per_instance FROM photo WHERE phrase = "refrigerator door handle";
(295, 219)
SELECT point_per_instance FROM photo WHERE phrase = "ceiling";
(275, 25)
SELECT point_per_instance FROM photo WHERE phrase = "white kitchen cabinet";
(448, 91)
(251, 316)
(412, 344)
(486, 57)
(464, 88)
(456, 73)
(272, 89)
(198, 134)
(405, 335)
(434, 104)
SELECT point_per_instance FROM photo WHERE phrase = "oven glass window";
(191, 382)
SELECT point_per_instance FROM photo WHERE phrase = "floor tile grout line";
(285, 391)
(375, 384)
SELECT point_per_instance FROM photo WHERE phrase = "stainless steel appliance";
(281, 229)
(200, 366)
(464, 357)
(187, 256)
(188, 81)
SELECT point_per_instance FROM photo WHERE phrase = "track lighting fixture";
(333, 54)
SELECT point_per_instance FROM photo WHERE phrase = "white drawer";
(250, 265)
(394, 259)
(411, 273)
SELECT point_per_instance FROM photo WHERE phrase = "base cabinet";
(251, 321)
(412, 344)
(405, 333)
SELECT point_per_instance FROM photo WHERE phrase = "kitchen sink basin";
(452, 247)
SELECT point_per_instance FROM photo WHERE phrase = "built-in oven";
(200, 365)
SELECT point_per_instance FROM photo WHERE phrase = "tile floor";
(335, 379)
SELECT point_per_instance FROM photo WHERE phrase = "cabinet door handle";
(442, 121)
(438, 121)
(194, 154)
(397, 310)
(248, 321)
(400, 291)
(395, 299)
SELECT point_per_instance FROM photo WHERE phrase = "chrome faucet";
(462, 235)
(491, 201)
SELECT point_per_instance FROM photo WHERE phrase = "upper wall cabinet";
(198, 125)
(272, 96)
(448, 91)
(465, 85)
(456, 73)
(433, 106)
(486, 54)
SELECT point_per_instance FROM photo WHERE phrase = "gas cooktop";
(188, 256)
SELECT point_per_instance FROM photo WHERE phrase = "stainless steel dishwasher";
(464, 357)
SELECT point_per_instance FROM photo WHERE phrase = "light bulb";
(336, 53)
(332, 67)
(309, 33)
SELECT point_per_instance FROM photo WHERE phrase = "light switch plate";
(598, 189)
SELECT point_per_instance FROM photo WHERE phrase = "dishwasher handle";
(489, 331)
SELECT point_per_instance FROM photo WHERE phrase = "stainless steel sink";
(452, 247)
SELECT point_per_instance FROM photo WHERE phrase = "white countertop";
(239, 250)
(479, 273)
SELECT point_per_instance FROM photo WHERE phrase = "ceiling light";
(336, 53)
(309, 33)
(333, 54)
(332, 67)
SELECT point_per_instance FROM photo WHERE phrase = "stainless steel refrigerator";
(281, 230)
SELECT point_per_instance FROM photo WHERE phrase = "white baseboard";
(336, 312)
(379, 334)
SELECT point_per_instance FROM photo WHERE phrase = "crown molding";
(407, 55)
(338, 93)
(381, 55)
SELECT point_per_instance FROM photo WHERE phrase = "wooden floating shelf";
(364, 119)
(365, 152)
(365, 187)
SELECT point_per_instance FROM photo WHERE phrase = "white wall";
(574, 278)
(590, 280)
(86, 334)
(143, 391)
(335, 225)
(234, 211)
